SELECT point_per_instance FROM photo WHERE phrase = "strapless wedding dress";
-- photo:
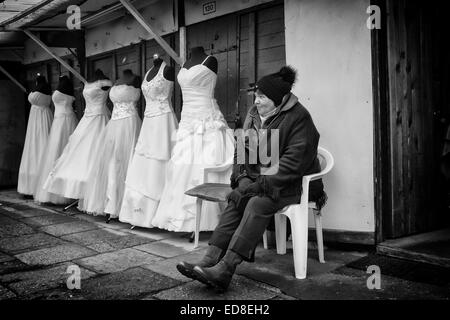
(63, 125)
(38, 129)
(68, 177)
(147, 171)
(106, 182)
(203, 141)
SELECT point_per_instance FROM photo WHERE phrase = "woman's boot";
(212, 257)
(220, 275)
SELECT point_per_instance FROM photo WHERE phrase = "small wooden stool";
(213, 192)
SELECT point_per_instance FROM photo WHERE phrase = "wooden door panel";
(219, 38)
(414, 163)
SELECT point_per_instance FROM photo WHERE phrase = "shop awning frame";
(61, 61)
(13, 79)
(139, 18)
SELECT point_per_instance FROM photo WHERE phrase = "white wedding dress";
(38, 128)
(68, 177)
(64, 123)
(203, 141)
(106, 182)
(147, 171)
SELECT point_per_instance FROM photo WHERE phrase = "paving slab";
(6, 220)
(48, 220)
(30, 282)
(352, 284)
(278, 270)
(13, 265)
(105, 240)
(99, 221)
(168, 268)
(15, 229)
(240, 289)
(162, 249)
(154, 233)
(28, 242)
(6, 294)
(117, 260)
(63, 229)
(54, 255)
(4, 257)
(30, 213)
(183, 242)
(130, 284)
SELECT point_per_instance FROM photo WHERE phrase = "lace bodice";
(63, 103)
(96, 98)
(157, 93)
(39, 99)
(200, 109)
(124, 98)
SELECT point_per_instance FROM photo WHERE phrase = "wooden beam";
(61, 61)
(13, 79)
(149, 29)
(183, 44)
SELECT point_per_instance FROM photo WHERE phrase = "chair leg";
(299, 225)
(198, 217)
(319, 235)
(265, 240)
(280, 233)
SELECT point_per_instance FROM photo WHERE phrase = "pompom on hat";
(276, 85)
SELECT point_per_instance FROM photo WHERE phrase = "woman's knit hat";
(276, 85)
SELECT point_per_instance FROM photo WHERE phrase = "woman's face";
(263, 103)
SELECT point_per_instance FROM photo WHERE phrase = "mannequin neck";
(130, 80)
(198, 53)
(65, 90)
(157, 62)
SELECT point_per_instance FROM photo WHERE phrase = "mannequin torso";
(129, 79)
(99, 75)
(168, 73)
(197, 56)
(42, 85)
(65, 86)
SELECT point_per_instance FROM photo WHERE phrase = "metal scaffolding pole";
(61, 61)
(13, 79)
(149, 29)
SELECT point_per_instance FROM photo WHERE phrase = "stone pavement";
(39, 244)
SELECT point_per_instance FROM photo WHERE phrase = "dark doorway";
(412, 121)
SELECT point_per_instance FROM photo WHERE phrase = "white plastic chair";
(219, 201)
(298, 216)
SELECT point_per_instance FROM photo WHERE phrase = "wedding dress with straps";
(106, 182)
(38, 128)
(69, 175)
(203, 141)
(147, 170)
(63, 125)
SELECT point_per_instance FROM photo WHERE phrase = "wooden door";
(219, 38)
(262, 49)
(106, 64)
(416, 191)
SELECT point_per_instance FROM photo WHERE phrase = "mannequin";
(65, 85)
(168, 73)
(99, 75)
(197, 56)
(63, 125)
(129, 78)
(38, 128)
(42, 86)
